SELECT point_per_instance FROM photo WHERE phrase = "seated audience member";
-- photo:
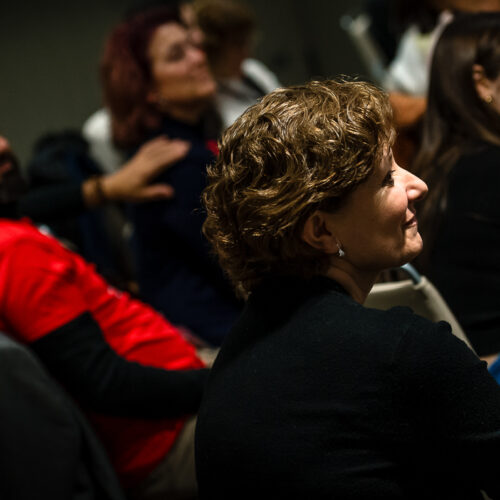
(172, 94)
(408, 73)
(406, 31)
(132, 183)
(459, 158)
(133, 373)
(313, 395)
(48, 450)
(228, 28)
(61, 160)
(415, 22)
(97, 128)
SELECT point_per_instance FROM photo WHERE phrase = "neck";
(229, 64)
(190, 114)
(228, 71)
(357, 284)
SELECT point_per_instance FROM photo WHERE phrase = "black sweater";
(316, 396)
(176, 271)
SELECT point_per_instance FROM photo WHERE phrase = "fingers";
(171, 153)
(154, 192)
(160, 153)
(130, 183)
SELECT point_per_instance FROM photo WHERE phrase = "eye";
(389, 179)
(175, 54)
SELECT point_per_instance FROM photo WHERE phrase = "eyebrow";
(174, 47)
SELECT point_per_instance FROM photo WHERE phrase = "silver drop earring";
(341, 252)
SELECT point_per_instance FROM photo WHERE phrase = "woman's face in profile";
(179, 69)
(377, 226)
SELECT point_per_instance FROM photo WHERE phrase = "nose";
(197, 54)
(416, 188)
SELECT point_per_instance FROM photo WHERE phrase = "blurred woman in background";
(459, 158)
(157, 81)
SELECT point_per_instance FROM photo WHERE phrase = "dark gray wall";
(50, 52)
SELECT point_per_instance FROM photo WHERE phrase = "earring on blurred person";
(341, 252)
(488, 99)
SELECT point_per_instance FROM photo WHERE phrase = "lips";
(411, 222)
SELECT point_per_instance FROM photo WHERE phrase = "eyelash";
(388, 179)
(175, 56)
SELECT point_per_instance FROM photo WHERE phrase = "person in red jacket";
(139, 381)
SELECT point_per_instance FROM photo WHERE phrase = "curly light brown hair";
(298, 150)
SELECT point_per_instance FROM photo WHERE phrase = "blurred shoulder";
(12, 231)
(262, 75)
(98, 125)
(402, 321)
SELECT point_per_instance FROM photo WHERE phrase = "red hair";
(126, 76)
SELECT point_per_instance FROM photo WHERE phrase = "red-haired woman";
(157, 81)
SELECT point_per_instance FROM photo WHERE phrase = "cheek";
(163, 79)
(168, 75)
(395, 210)
(180, 85)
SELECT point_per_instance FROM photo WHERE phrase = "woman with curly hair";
(312, 394)
(157, 82)
(459, 157)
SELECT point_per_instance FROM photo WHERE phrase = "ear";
(482, 84)
(318, 233)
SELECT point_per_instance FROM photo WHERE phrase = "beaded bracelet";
(98, 190)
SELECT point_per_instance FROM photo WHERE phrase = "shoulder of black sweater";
(321, 305)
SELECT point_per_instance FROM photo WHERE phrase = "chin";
(208, 87)
(207, 93)
(412, 253)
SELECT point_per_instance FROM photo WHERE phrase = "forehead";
(166, 36)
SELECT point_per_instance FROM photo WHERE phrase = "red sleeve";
(39, 288)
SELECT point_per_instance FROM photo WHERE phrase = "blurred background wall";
(50, 52)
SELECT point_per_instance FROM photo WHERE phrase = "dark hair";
(300, 149)
(422, 13)
(139, 6)
(126, 75)
(224, 23)
(456, 120)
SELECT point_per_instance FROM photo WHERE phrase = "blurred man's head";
(12, 183)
